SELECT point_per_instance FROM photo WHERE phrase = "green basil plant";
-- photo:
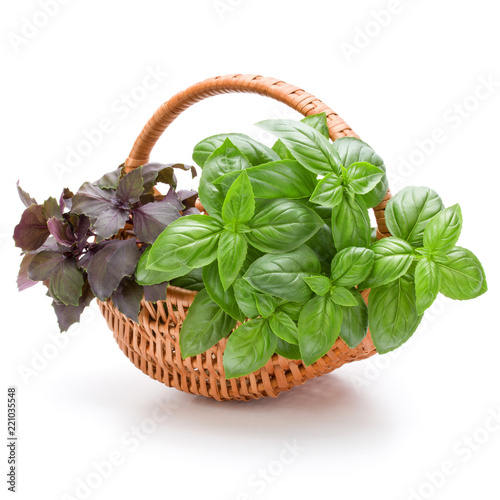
(287, 247)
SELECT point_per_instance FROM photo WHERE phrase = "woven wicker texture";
(153, 344)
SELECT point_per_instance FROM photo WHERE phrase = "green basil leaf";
(329, 191)
(288, 351)
(352, 150)
(436, 256)
(408, 213)
(320, 285)
(266, 305)
(254, 151)
(351, 224)
(354, 322)
(282, 225)
(319, 327)
(363, 177)
(193, 280)
(307, 145)
(227, 158)
(318, 122)
(239, 205)
(343, 297)
(392, 314)
(322, 244)
(280, 179)
(281, 275)
(248, 298)
(443, 230)
(324, 212)
(291, 309)
(231, 255)
(393, 258)
(148, 277)
(282, 150)
(225, 299)
(351, 266)
(205, 325)
(189, 241)
(427, 278)
(284, 327)
(462, 277)
(249, 348)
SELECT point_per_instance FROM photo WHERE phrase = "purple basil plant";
(88, 244)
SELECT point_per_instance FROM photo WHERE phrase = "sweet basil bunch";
(70, 245)
(420, 260)
(287, 247)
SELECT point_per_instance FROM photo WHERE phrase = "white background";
(376, 429)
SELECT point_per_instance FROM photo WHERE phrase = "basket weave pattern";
(153, 344)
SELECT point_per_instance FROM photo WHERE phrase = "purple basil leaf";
(51, 208)
(31, 233)
(188, 198)
(131, 187)
(154, 293)
(61, 231)
(110, 222)
(92, 200)
(158, 172)
(82, 230)
(111, 179)
(84, 261)
(150, 220)
(66, 282)
(23, 281)
(127, 298)
(186, 168)
(44, 264)
(65, 201)
(25, 197)
(51, 245)
(191, 211)
(112, 261)
(167, 176)
(67, 315)
(173, 198)
(49, 293)
(147, 198)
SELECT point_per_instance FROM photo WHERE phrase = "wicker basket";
(153, 344)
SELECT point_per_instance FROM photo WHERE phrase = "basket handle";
(294, 97)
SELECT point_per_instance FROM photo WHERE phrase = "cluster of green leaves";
(266, 243)
(420, 260)
(287, 247)
(294, 310)
(70, 244)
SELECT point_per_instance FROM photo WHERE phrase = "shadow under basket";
(153, 344)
